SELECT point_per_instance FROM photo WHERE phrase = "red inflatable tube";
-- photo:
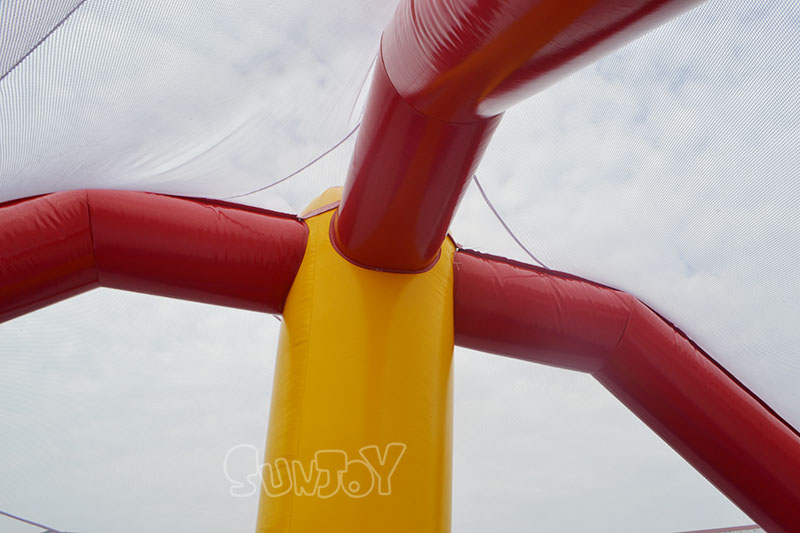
(513, 309)
(55, 246)
(459, 60)
(46, 252)
(733, 439)
(403, 190)
(709, 418)
(446, 72)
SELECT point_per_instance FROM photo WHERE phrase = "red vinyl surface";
(45, 252)
(446, 73)
(404, 187)
(457, 60)
(55, 246)
(706, 415)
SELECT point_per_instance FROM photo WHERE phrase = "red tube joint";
(406, 178)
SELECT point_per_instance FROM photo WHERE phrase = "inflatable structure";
(374, 294)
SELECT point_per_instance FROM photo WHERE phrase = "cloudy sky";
(667, 169)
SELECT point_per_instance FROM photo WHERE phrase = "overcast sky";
(668, 169)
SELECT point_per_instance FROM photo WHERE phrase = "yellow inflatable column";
(360, 427)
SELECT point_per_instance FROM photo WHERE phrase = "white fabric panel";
(24, 24)
(206, 98)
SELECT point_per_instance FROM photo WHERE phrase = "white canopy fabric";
(195, 98)
(668, 169)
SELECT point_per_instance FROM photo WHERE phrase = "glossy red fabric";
(701, 411)
(45, 252)
(709, 418)
(458, 60)
(514, 309)
(446, 72)
(404, 187)
(55, 246)
(199, 250)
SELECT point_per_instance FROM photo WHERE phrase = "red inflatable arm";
(55, 246)
(740, 445)
(447, 71)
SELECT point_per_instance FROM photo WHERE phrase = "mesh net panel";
(202, 98)
(23, 25)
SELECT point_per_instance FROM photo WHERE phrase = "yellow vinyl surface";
(360, 425)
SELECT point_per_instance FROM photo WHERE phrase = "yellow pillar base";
(360, 429)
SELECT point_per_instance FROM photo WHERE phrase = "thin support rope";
(32, 523)
(350, 134)
(42, 40)
(503, 222)
(299, 170)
